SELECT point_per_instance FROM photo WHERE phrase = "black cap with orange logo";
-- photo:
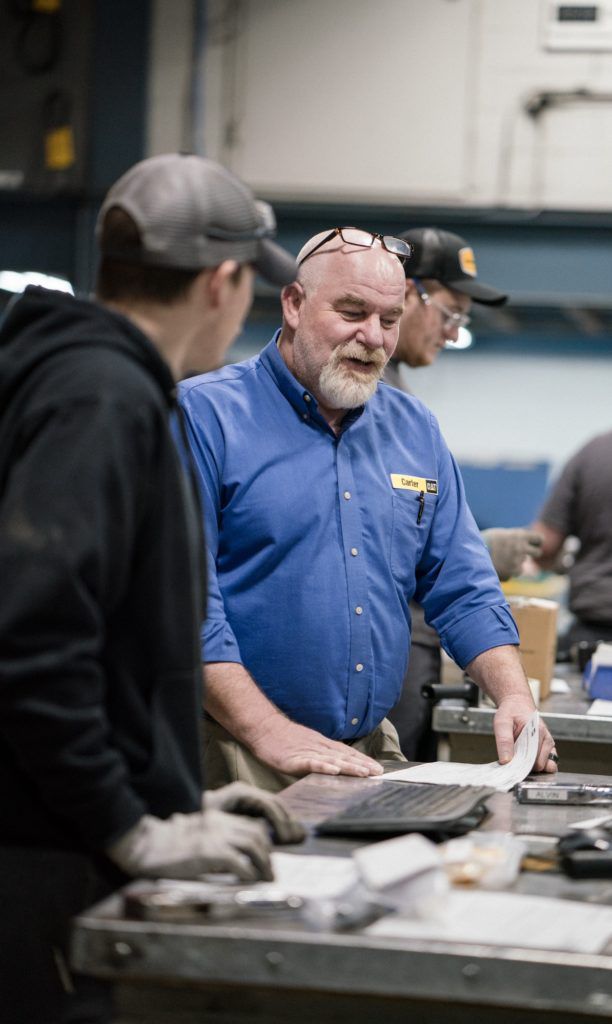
(447, 258)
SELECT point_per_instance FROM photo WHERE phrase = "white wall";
(563, 158)
(324, 101)
(494, 407)
(416, 101)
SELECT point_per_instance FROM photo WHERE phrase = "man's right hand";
(190, 845)
(234, 699)
(296, 750)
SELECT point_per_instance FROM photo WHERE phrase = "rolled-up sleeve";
(470, 636)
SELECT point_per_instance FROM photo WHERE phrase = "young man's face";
(347, 325)
(424, 328)
(237, 308)
(216, 335)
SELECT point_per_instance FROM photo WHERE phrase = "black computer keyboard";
(394, 807)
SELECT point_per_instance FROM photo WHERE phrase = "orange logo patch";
(467, 261)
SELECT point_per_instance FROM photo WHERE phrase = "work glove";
(240, 798)
(510, 547)
(190, 845)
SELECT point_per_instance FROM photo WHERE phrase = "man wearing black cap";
(441, 284)
(101, 564)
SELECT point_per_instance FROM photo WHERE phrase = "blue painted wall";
(505, 494)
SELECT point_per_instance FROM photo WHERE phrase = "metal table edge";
(479, 721)
(201, 955)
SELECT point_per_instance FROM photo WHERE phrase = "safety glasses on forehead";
(365, 239)
(450, 319)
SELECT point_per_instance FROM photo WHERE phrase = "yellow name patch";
(403, 482)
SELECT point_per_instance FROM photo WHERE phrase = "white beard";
(340, 388)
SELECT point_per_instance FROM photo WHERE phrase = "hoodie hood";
(42, 323)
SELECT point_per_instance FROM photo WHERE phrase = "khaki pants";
(411, 715)
(225, 760)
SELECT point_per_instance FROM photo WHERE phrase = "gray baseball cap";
(193, 213)
(448, 258)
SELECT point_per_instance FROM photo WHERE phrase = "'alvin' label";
(404, 482)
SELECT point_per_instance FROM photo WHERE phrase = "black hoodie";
(100, 669)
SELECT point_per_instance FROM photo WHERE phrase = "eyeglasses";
(266, 228)
(357, 236)
(450, 319)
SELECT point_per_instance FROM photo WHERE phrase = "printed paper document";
(500, 776)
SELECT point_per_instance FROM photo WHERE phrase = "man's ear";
(292, 299)
(218, 282)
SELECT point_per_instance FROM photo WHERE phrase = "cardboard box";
(536, 619)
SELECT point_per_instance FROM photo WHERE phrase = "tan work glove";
(510, 547)
(189, 845)
(240, 798)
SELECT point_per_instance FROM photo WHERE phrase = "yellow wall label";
(59, 149)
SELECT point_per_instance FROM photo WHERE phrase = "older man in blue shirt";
(330, 501)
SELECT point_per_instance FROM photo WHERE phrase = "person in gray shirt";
(578, 505)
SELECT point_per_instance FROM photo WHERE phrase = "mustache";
(353, 350)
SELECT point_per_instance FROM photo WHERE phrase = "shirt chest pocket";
(412, 516)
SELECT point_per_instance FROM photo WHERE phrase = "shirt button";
(354, 551)
(305, 416)
(347, 495)
(358, 667)
(306, 397)
(354, 721)
(358, 610)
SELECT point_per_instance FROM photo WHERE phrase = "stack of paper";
(500, 776)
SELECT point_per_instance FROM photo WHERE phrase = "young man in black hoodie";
(101, 569)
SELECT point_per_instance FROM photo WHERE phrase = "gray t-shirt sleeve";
(559, 510)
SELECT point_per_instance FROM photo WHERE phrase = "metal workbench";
(238, 973)
(584, 742)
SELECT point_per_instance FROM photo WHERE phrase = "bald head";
(317, 244)
(321, 255)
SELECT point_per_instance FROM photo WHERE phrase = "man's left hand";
(240, 798)
(512, 714)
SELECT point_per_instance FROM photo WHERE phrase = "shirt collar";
(302, 400)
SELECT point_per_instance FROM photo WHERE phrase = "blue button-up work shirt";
(318, 542)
